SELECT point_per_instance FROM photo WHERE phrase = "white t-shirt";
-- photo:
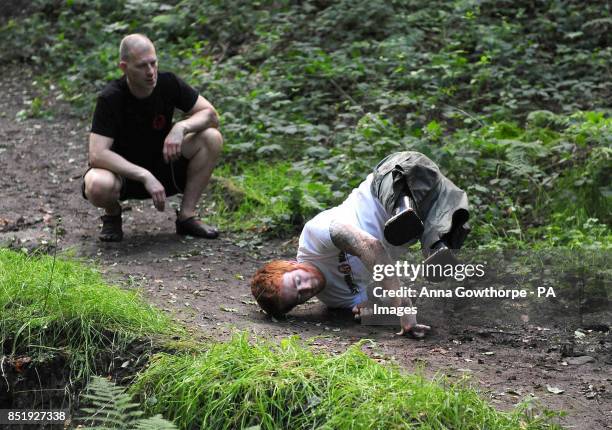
(346, 276)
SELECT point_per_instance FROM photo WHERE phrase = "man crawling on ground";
(406, 198)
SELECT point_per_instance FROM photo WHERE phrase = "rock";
(578, 361)
(579, 334)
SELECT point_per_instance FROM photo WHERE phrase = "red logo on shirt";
(159, 122)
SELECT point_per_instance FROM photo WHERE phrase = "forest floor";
(204, 283)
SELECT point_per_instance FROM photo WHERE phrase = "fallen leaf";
(554, 390)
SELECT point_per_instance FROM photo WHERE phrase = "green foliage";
(491, 90)
(35, 110)
(112, 408)
(237, 384)
(50, 305)
(535, 184)
(268, 198)
(156, 422)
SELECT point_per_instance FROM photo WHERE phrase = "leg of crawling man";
(202, 150)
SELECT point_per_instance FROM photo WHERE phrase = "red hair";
(266, 285)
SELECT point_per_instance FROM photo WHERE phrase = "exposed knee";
(101, 190)
(213, 141)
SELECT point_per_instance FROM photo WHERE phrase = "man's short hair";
(266, 285)
(125, 47)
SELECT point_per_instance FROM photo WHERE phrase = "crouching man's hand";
(173, 143)
(410, 327)
(156, 190)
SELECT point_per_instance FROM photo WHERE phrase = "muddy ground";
(508, 353)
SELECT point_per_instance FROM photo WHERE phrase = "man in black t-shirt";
(135, 151)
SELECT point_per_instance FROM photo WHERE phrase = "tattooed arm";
(371, 252)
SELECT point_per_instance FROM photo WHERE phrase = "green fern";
(112, 408)
(156, 422)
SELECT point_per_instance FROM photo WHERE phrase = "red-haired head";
(281, 285)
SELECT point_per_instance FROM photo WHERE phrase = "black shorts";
(173, 176)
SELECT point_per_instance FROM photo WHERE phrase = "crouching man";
(136, 152)
(405, 199)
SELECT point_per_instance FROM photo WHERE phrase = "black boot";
(111, 228)
(405, 225)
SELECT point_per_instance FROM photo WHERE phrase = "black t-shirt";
(140, 126)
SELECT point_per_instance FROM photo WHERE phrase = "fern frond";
(156, 422)
(112, 407)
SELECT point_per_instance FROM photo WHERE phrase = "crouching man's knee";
(213, 141)
(102, 187)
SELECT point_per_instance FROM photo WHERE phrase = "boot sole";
(403, 227)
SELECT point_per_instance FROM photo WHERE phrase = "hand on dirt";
(157, 192)
(417, 331)
(172, 144)
(358, 310)
(410, 327)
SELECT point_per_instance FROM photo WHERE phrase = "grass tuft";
(238, 384)
(50, 305)
(266, 197)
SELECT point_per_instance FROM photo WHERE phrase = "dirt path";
(204, 283)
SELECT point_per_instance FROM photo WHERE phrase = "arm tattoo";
(347, 239)
(359, 243)
(370, 251)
